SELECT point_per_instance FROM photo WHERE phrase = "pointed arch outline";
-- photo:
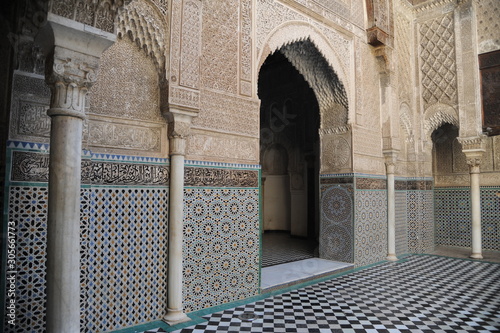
(297, 31)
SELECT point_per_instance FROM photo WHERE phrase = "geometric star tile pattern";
(127, 253)
(370, 226)
(453, 216)
(418, 294)
(221, 246)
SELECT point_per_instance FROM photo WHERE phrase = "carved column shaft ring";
(53, 112)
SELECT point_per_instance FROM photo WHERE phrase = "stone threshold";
(285, 275)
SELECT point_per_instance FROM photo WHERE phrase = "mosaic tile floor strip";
(279, 248)
(420, 294)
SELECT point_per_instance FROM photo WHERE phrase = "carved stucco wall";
(488, 25)
(227, 126)
(367, 142)
(126, 91)
(100, 14)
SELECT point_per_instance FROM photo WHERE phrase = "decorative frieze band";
(106, 173)
(371, 184)
(341, 180)
(34, 167)
(30, 167)
(213, 177)
(412, 185)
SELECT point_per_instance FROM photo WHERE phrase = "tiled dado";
(353, 218)
(336, 221)
(221, 236)
(370, 220)
(414, 216)
(124, 210)
(453, 217)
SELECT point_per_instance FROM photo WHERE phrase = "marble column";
(474, 148)
(179, 126)
(72, 56)
(390, 160)
(69, 83)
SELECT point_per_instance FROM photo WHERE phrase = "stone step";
(293, 273)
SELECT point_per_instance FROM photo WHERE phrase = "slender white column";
(63, 228)
(474, 149)
(390, 159)
(391, 218)
(175, 313)
(475, 194)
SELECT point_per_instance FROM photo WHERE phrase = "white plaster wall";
(276, 203)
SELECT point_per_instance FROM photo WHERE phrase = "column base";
(476, 256)
(392, 257)
(174, 317)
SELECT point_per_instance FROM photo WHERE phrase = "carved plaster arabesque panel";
(367, 142)
(30, 101)
(336, 153)
(123, 136)
(437, 60)
(100, 14)
(127, 84)
(402, 42)
(367, 94)
(219, 60)
(189, 72)
(205, 145)
(246, 47)
(228, 113)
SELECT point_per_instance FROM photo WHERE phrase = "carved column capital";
(474, 149)
(390, 156)
(179, 128)
(69, 75)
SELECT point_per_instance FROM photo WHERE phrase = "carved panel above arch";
(127, 84)
(145, 26)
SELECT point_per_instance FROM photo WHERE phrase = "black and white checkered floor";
(279, 248)
(419, 294)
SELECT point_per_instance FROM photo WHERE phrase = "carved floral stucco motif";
(219, 60)
(228, 113)
(100, 14)
(127, 86)
(335, 153)
(190, 45)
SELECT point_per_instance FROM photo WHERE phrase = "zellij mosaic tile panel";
(221, 246)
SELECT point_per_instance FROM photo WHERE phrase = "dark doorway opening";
(289, 148)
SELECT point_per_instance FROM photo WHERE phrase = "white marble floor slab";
(299, 271)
